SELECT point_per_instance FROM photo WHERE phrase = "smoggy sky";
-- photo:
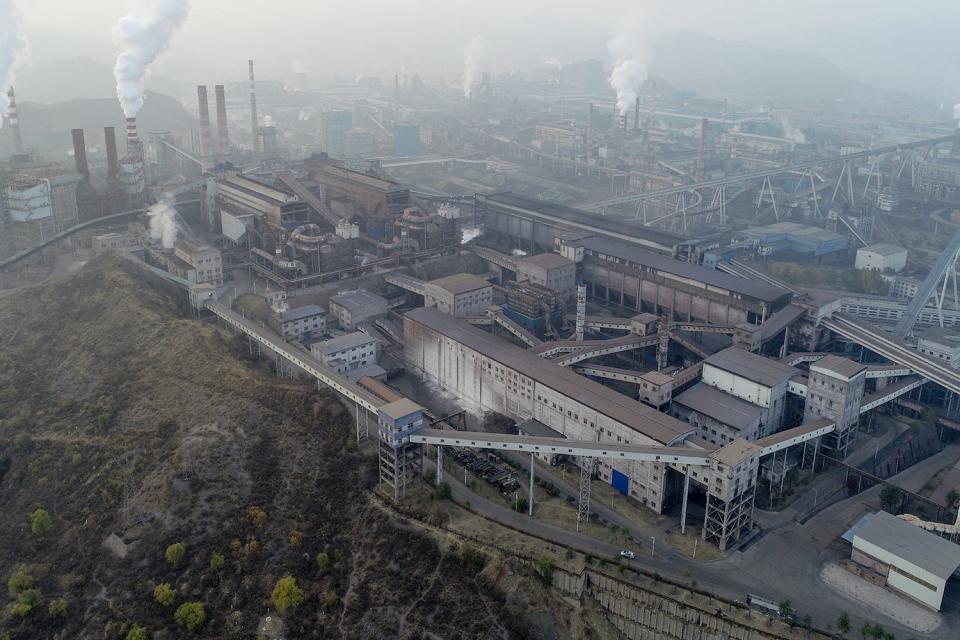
(864, 37)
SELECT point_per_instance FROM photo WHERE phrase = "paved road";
(784, 564)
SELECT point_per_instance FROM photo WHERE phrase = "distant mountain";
(720, 68)
(52, 81)
(46, 127)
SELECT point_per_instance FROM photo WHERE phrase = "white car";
(630, 555)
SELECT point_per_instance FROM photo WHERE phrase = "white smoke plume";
(472, 55)
(553, 63)
(792, 133)
(143, 35)
(12, 42)
(163, 224)
(630, 52)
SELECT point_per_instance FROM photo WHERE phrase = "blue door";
(620, 482)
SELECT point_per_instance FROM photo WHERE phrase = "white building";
(905, 287)
(751, 377)
(550, 270)
(913, 562)
(347, 352)
(299, 321)
(353, 307)
(941, 344)
(462, 294)
(113, 242)
(205, 260)
(881, 257)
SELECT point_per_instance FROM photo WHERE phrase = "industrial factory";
(697, 307)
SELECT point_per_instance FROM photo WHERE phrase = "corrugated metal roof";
(696, 273)
(751, 366)
(631, 413)
(460, 283)
(721, 406)
(911, 543)
(841, 366)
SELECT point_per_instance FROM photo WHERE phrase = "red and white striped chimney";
(15, 123)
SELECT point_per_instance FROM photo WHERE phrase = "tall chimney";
(113, 160)
(205, 139)
(15, 124)
(702, 153)
(80, 153)
(134, 145)
(223, 136)
(636, 114)
(253, 105)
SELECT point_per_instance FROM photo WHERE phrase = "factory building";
(406, 139)
(550, 270)
(942, 345)
(794, 240)
(297, 322)
(348, 352)
(358, 143)
(940, 179)
(835, 391)
(754, 379)
(534, 226)
(109, 242)
(616, 273)
(353, 307)
(534, 307)
(900, 555)
(881, 257)
(719, 417)
(489, 374)
(28, 216)
(334, 125)
(375, 201)
(462, 294)
(656, 390)
(206, 261)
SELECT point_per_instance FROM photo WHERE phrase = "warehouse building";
(941, 344)
(617, 273)
(489, 374)
(206, 261)
(904, 557)
(462, 294)
(881, 257)
(792, 238)
(718, 417)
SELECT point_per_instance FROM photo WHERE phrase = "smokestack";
(134, 146)
(253, 105)
(396, 96)
(701, 155)
(224, 137)
(588, 152)
(205, 139)
(113, 160)
(15, 124)
(80, 153)
(636, 114)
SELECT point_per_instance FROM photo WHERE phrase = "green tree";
(18, 581)
(164, 594)
(843, 623)
(890, 498)
(57, 608)
(190, 615)
(520, 505)
(217, 561)
(545, 568)
(323, 561)
(137, 633)
(786, 609)
(443, 491)
(952, 497)
(27, 601)
(40, 522)
(286, 594)
(329, 599)
(175, 553)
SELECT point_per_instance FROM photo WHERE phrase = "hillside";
(135, 427)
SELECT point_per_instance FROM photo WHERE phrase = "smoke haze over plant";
(12, 42)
